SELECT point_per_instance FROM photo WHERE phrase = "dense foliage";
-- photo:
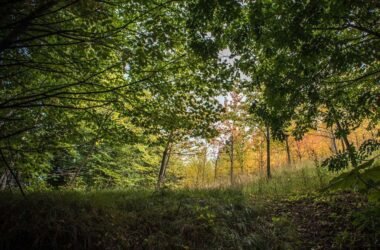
(93, 89)
(304, 62)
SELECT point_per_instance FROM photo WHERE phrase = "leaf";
(355, 178)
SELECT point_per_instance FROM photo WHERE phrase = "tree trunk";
(289, 159)
(164, 162)
(241, 161)
(349, 147)
(232, 160)
(333, 142)
(204, 167)
(83, 163)
(342, 145)
(3, 180)
(261, 160)
(216, 167)
(12, 173)
(163, 166)
(268, 152)
(167, 161)
(299, 151)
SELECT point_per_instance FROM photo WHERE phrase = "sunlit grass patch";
(287, 181)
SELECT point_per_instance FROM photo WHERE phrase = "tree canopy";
(98, 92)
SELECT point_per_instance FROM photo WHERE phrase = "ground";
(187, 219)
(325, 221)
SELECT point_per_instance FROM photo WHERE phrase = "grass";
(185, 219)
(229, 218)
(289, 181)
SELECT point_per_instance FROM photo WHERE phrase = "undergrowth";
(186, 219)
(277, 214)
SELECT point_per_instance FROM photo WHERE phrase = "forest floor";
(187, 219)
(287, 212)
(333, 221)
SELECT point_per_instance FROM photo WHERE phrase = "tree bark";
(164, 162)
(241, 161)
(333, 141)
(163, 165)
(342, 145)
(348, 146)
(232, 160)
(289, 159)
(298, 151)
(167, 161)
(12, 173)
(216, 167)
(269, 175)
(345, 143)
(3, 180)
(261, 160)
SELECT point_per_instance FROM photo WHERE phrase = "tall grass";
(288, 181)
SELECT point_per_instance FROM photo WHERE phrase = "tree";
(308, 58)
(66, 64)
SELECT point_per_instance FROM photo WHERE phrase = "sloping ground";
(334, 221)
(208, 219)
(200, 219)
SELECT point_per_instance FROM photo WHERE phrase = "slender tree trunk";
(333, 142)
(269, 175)
(261, 160)
(349, 147)
(83, 163)
(204, 167)
(164, 162)
(342, 145)
(288, 150)
(241, 161)
(167, 161)
(162, 167)
(3, 180)
(299, 151)
(216, 167)
(232, 160)
(12, 173)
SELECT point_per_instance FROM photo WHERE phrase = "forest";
(189, 124)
